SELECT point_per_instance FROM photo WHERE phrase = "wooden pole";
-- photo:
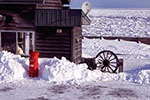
(120, 65)
(33, 40)
(16, 42)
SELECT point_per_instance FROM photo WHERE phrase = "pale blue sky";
(113, 3)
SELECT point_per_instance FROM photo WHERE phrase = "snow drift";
(63, 71)
(11, 67)
(57, 71)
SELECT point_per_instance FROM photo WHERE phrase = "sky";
(113, 3)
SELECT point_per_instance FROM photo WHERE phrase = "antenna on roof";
(86, 7)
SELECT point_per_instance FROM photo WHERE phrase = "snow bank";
(57, 71)
(62, 71)
(11, 67)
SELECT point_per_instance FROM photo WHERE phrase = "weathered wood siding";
(17, 17)
(58, 17)
(50, 43)
(66, 44)
(76, 44)
(50, 4)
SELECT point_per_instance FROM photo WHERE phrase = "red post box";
(33, 66)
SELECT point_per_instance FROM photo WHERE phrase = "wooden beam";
(120, 65)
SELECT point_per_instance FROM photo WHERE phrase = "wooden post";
(0, 41)
(100, 38)
(27, 42)
(120, 65)
(16, 42)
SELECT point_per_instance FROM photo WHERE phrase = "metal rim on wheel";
(107, 61)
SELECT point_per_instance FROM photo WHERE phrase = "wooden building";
(47, 26)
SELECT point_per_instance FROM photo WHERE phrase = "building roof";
(20, 1)
(28, 1)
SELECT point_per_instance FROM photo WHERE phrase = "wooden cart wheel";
(107, 61)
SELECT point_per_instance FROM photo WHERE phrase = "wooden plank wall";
(49, 43)
(58, 17)
(76, 44)
(17, 17)
(50, 4)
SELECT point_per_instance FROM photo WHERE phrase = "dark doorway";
(9, 41)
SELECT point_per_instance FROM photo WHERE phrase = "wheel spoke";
(102, 69)
(112, 65)
(99, 60)
(104, 55)
(101, 57)
(107, 53)
(100, 66)
(110, 56)
(105, 69)
(112, 59)
(110, 68)
(114, 62)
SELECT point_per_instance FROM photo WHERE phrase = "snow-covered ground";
(41, 90)
(60, 79)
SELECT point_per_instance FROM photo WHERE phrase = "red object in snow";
(33, 67)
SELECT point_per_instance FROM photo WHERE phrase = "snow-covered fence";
(145, 40)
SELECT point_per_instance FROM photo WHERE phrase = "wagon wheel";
(107, 61)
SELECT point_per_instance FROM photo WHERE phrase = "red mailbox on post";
(33, 67)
